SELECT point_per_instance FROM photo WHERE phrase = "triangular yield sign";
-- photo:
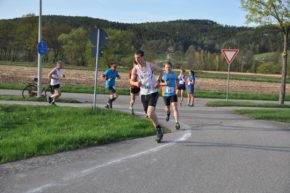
(230, 54)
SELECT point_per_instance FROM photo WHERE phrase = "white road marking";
(88, 171)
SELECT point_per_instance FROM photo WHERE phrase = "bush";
(269, 68)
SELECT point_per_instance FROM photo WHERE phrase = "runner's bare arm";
(51, 73)
(134, 77)
(177, 81)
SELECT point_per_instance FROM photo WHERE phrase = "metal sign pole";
(39, 70)
(228, 83)
(96, 71)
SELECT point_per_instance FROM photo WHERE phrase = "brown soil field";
(18, 74)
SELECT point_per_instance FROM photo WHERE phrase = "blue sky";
(226, 12)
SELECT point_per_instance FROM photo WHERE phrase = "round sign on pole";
(42, 48)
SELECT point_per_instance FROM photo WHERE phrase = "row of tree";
(188, 43)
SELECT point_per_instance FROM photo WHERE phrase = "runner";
(169, 80)
(190, 89)
(55, 75)
(110, 76)
(143, 72)
(134, 91)
(181, 85)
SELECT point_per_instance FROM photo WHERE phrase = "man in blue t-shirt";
(169, 82)
(110, 76)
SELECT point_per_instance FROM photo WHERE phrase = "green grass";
(244, 104)
(27, 131)
(90, 90)
(69, 88)
(243, 96)
(267, 114)
(268, 56)
(12, 86)
(239, 77)
(125, 91)
(41, 99)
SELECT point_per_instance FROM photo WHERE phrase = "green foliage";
(75, 46)
(274, 12)
(119, 48)
(187, 43)
(269, 68)
(268, 12)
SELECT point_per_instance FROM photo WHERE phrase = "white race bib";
(169, 90)
(181, 82)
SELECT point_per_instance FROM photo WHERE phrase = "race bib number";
(181, 82)
(169, 90)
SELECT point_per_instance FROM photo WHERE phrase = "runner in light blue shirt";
(169, 83)
(110, 76)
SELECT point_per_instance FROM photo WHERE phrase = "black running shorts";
(149, 100)
(112, 89)
(134, 90)
(57, 86)
(170, 99)
(181, 87)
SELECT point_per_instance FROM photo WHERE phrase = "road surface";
(216, 151)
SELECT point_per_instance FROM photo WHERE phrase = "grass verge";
(239, 77)
(41, 99)
(125, 91)
(244, 104)
(268, 114)
(27, 131)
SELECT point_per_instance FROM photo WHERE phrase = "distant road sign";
(102, 41)
(230, 54)
(42, 48)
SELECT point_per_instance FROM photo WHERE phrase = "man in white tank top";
(55, 76)
(146, 80)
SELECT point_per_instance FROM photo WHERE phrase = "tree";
(51, 31)
(119, 48)
(26, 38)
(275, 12)
(7, 40)
(74, 45)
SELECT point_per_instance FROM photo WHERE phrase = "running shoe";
(177, 126)
(49, 100)
(159, 135)
(167, 117)
(132, 111)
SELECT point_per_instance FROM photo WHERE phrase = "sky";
(225, 12)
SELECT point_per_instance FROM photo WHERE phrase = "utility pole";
(39, 70)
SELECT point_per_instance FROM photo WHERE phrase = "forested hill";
(203, 34)
(172, 37)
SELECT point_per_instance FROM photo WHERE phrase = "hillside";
(188, 43)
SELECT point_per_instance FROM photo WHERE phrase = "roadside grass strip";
(268, 114)
(28, 131)
(244, 104)
(126, 91)
(41, 99)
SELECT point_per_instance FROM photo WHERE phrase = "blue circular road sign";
(42, 48)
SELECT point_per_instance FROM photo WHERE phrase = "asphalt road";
(216, 151)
